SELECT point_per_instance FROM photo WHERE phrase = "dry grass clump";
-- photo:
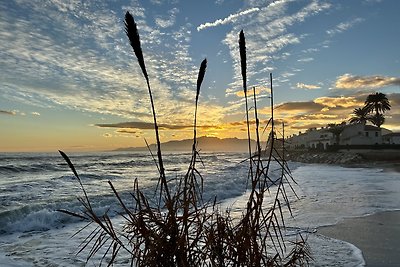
(182, 229)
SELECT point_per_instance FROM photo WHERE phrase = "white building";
(352, 134)
(391, 138)
(313, 138)
(360, 134)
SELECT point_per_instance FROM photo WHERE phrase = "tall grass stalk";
(182, 229)
(133, 35)
(243, 64)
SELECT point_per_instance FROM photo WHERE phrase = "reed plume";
(192, 168)
(200, 77)
(243, 63)
(134, 39)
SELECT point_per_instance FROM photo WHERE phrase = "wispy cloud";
(341, 27)
(268, 44)
(348, 81)
(229, 19)
(339, 101)
(78, 56)
(128, 131)
(307, 86)
(125, 127)
(136, 125)
(307, 59)
(167, 20)
(8, 112)
(34, 113)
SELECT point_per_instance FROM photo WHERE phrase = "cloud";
(168, 20)
(78, 57)
(348, 81)
(340, 101)
(341, 27)
(156, 2)
(267, 34)
(301, 106)
(127, 131)
(394, 99)
(307, 59)
(141, 125)
(261, 91)
(107, 135)
(124, 127)
(307, 86)
(35, 113)
(230, 18)
(134, 125)
(7, 112)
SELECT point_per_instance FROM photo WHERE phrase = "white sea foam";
(332, 252)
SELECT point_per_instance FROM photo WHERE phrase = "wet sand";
(377, 235)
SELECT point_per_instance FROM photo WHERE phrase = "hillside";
(211, 144)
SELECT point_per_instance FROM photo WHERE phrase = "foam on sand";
(376, 235)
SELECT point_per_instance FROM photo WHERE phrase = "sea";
(33, 186)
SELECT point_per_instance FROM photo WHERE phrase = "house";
(313, 138)
(321, 140)
(391, 138)
(351, 134)
(361, 134)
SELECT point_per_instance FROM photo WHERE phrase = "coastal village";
(359, 139)
(348, 135)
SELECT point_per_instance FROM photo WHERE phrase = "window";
(376, 134)
(366, 134)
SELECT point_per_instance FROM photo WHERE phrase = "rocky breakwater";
(339, 158)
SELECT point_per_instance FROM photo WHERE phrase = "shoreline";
(376, 235)
(348, 160)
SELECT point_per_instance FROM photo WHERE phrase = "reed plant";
(182, 229)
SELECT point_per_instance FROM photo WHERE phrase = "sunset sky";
(69, 79)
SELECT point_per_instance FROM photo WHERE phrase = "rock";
(324, 157)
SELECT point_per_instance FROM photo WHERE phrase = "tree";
(360, 115)
(377, 102)
(336, 129)
(377, 119)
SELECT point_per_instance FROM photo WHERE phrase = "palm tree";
(360, 115)
(377, 102)
(336, 130)
(377, 119)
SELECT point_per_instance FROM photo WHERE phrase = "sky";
(69, 79)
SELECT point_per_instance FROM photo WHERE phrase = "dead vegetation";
(182, 229)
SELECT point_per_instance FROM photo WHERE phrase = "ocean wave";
(86, 177)
(44, 216)
(30, 168)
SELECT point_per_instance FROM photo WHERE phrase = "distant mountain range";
(211, 144)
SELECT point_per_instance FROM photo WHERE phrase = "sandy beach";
(377, 235)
